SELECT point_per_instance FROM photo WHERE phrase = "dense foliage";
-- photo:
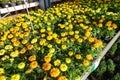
(61, 44)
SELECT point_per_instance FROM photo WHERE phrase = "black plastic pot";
(5, 5)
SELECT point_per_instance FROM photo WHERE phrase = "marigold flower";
(2, 77)
(89, 57)
(22, 51)
(91, 39)
(21, 65)
(1, 71)
(24, 41)
(30, 46)
(10, 36)
(109, 23)
(42, 30)
(54, 72)
(15, 77)
(34, 64)
(63, 67)
(46, 66)
(42, 42)
(2, 52)
(78, 56)
(62, 78)
(28, 71)
(16, 43)
(87, 34)
(68, 60)
(63, 46)
(49, 37)
(114, 25)
(8, 47)
(34, 40)
(86, 63)
(32, 58)
(14, 54)
(57, 62)
(47, 59)
(71, 33)
(80, 40)
(70, 53)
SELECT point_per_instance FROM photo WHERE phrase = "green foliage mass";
(110, 65)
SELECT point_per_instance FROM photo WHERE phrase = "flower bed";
(64, 42)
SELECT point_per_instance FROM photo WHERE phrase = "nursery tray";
(96, 62)
(18, 7)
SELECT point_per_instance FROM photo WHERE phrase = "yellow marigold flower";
(42, 42)
(71, 33)
(24, 41)
(48, 28)
(100, 25)
(68, 60)
(80, 40)
(3, 38)
(70, 26)
(110, 28)
(14, 54)
(11, 60)
(114, 25)
(1, 71)
(21, 65)
(76, 32)
(54, 72)
(57, 62)
(2, 52)
(21, 35)
(32, 58)
(34, 64)
(54, 35)
(26, 33)
(6, 57)
(63, 34)
(47, 59)
(109, 23)
(63, 67)
(89, 57)
(78, 56)
(22, 51)
(34, 40)
(15, 77)
(16, 43)
(70, 53)
(87, 34)
(58, 41)
(8, 47)
(63, 46)
(62, 78)
(46, 66)
(42, 30)
(49, 45)
(49, 37)
(76, 36)
(86, 63)
(30, 46)
(42, 35)
(91, 39)
(2, 77)
(28, 71)
(10, 36)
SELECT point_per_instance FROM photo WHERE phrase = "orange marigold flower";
(34, 64)
(109, 23)
(91, 39)
(47, 59)
(28, 71)
(46, 66)
(54, 72)
(86, 63)
(32, 58)
(30, 46)
(62, 78)
(22, 51)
